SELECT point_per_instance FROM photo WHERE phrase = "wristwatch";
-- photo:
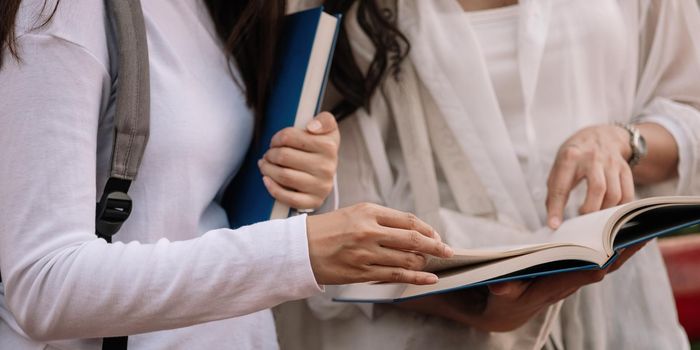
(637, 143)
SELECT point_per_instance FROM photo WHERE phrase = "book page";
(573, 258)
(594, 231)
(597, 230)
(586, 230)
(466, 257)
(653, 221)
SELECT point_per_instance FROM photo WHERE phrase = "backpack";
(129, 70)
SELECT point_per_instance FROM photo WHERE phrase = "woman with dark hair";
(483, 117)
(183, 280)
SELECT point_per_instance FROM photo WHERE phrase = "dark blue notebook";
(305, 54)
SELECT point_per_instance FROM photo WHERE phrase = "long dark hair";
(250, 31)
(8, 16)
(380, 24)
(8, 13)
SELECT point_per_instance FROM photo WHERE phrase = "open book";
(586, 242)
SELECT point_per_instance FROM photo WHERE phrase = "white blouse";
(177, 277)
(496, 31)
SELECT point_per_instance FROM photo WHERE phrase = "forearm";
(661, 161)
(94, 289)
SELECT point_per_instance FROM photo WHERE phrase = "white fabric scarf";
(443, 52)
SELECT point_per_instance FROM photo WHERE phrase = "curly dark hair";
(379, 23)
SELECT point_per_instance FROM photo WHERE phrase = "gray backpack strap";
(133, 90)
(127, 30)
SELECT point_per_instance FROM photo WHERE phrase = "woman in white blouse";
(483, 117)
(178, 278)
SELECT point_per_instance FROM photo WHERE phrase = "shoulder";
(80, 22)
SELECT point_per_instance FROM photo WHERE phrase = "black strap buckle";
(113, 208)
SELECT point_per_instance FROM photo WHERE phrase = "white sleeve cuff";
(299, 252)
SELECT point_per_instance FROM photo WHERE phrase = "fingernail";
(314, 125)
(499, 288)
(431, 279)
(448, 250)
(266, 181)
(260, 163)
(554, 222)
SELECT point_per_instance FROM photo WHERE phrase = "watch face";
(642, 146)
(638, 144)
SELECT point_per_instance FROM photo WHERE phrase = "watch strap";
(636, 142)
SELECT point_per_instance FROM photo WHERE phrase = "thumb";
(323, 123)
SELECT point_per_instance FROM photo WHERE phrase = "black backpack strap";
(126, 28)
(127, 43)
(115, 343)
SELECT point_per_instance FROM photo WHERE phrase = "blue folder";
(247, 200)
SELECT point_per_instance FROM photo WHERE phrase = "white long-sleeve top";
(175, 266)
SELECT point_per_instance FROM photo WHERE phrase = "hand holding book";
(299, 167)
(300, 76)
(368, 242)
(505, 306)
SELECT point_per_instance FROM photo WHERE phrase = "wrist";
(636, 148)
(662, 158)
(622, 140)
(311, 227)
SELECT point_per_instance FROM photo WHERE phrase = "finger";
(302, 140)
(414, 241)
(559, 184)
(398, 219)
(627, 184)
(399, 275)
(625, 254)
(566, 293)
(311, 163)
(510, 290)
(397, 258)
(613, 188)
(323, 123)
(595, 180)
(293, 199)
(292, 179)
(621, 258)
(548, 290)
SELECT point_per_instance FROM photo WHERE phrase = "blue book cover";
(247, 200)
